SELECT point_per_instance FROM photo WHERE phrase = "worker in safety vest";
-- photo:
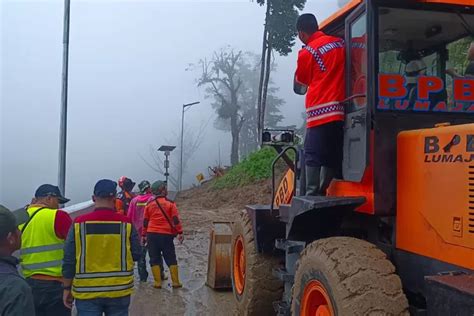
(15, 294)
(320, 69)
(99, 257)
(161, 225)
(136, 211)
(43, 237)
(125, 196)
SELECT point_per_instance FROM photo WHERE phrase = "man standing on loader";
(321, 67)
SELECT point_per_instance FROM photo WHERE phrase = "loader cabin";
(398, 54)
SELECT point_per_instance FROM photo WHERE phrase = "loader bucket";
(219, 260)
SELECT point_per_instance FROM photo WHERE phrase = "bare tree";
(192, 141)
(221, 76)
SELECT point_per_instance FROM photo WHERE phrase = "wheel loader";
(394, 235)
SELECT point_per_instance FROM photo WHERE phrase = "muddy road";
(195, 298)
(198, 207)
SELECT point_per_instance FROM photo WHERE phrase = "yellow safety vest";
(104, 263)
(41, 250)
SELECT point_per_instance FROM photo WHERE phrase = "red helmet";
(121, 181)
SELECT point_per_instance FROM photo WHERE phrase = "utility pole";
(63, 117)
(181, 146)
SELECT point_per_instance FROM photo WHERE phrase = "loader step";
(301, 204)
(450, 294)
(290, 246)
(283, 275)
(284, 212)
(281, 308)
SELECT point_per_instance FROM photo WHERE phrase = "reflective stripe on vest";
(104, 264)
(41, 250)
(37, 249)
(103, 289)
(42, 265)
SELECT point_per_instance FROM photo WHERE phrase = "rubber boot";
(327, 174)
(156, 270)
(175, 277)
(312, 180)
(163, 275)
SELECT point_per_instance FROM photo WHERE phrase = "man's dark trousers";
(142, 272)
(48, 297)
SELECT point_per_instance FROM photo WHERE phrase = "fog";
(127, 82)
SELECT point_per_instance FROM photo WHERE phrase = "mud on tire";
(261, 288)
(356, 274)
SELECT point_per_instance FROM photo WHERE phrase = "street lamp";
(167, 149)
(181, 147)
(63, 115)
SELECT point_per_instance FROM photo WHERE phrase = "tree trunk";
(262, 75)
(234, 130)
(267, 80)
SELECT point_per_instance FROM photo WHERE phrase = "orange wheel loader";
(394, 235)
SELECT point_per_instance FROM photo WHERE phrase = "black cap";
(128, 184)
(46, 190)
(105, 188)
(9, 221)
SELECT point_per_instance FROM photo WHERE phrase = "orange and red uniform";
(122, 202)
(321, 67)
(157, 222)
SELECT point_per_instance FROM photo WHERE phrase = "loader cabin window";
(423, 61)
(358, 64)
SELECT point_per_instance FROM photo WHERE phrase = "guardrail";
(79, 209)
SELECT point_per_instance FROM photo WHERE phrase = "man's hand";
(180, 238)
(67, 298)
(144, 241)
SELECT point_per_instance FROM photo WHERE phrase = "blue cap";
(105, 188)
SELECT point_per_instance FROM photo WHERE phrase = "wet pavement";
(195, 298)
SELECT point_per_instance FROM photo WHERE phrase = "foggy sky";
(127, 82)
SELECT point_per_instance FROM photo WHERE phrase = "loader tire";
(346, 276)
(255, 288)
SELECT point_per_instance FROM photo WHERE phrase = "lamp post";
(181, 147)
(63, 118)
(167, 149)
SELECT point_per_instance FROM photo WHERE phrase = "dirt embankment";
(201, 206)
(207, 197)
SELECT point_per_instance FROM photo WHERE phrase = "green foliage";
(257, 166)
(282, 23)
(458, 53)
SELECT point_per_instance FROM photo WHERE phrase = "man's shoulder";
(324, 39)
(99, 215)
(62, 213)
(142, 198)
(135, 199)
(16, 295)
(168, 202)
(14, 284)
